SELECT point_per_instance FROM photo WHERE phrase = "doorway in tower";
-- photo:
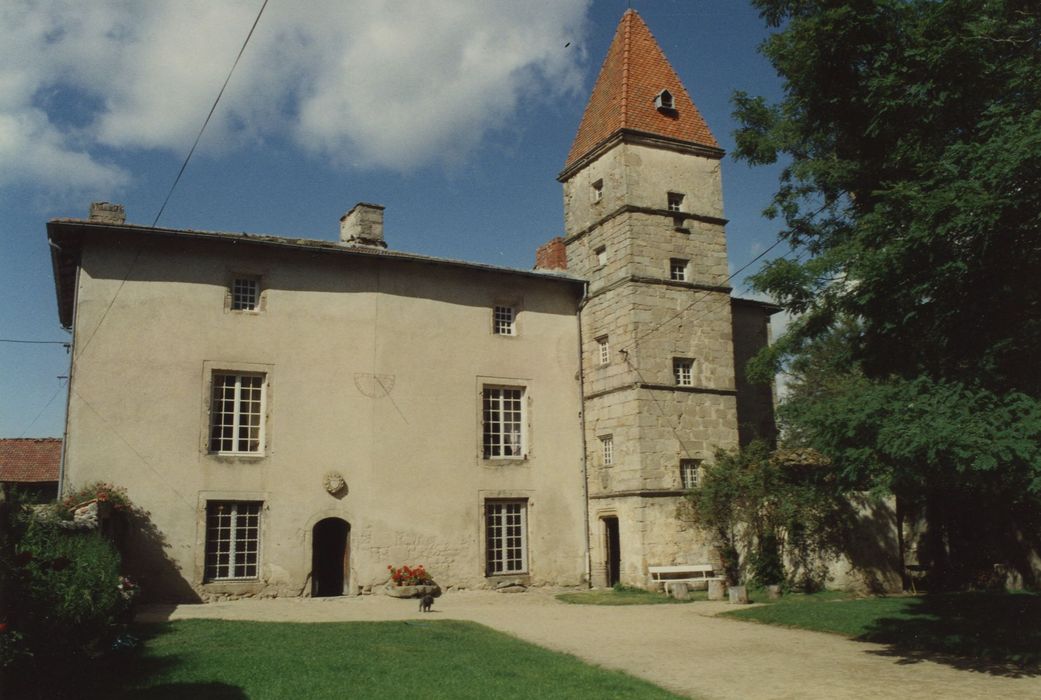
(330, 557)
(612, 551)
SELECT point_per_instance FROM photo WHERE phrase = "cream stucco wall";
(374, 369)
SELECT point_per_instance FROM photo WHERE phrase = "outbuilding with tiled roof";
(32, 464)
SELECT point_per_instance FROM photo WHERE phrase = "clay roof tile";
(634, 72)
(27, 460)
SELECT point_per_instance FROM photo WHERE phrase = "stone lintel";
(635, 209)
(639, 279)
(640, 493)
(642, 138)
(661, 387)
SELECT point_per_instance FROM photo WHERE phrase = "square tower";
(643, 213)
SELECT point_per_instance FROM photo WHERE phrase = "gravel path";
(684, 648)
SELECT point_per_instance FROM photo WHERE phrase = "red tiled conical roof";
(633, 74)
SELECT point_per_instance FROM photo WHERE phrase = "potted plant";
(410, 582)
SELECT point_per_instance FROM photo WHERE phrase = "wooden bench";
(682, 573)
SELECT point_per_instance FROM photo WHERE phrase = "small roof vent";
(663, 102)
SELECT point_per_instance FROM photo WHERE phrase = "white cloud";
(383, 83)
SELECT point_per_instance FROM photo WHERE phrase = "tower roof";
(632, 76)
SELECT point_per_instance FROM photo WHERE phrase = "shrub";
(65, 601)
(764, 509)
(100, 491)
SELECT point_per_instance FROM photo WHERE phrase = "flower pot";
(417, 591)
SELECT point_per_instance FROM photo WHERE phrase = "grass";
(438, 659)
(998, 633)
(625, 595)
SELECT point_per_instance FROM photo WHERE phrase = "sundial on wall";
(375, 386)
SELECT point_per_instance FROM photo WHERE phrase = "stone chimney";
(363, 225)
(107, 213)
(551, 255)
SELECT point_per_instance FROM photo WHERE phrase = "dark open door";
(330, 557)
(612, 550)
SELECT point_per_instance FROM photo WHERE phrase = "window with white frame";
(683, 371)
(607, 449)
(503, 422)
(245, 294)
(675, 201)
(232, 540)
(598, 190)
(690, 473)
(506, 537)
(237, 413)
(504, 321)
(678, 269)
(601, 256)
(603, 350)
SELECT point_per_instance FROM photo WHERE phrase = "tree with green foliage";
(912, 193)
(763, 508)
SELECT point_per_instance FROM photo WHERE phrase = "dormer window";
(663, 102)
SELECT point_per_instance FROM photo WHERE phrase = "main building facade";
(298, 415)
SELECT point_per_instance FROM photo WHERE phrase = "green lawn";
(624, 595)
(992, 632)
(198, 659)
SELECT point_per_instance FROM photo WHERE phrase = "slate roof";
(29, 460)
(632, 75)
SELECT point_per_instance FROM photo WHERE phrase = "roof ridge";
(626, 46)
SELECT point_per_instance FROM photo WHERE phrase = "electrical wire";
(45, 407)
(180, 172)
(208, 116)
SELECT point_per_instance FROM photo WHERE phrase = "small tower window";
(682, 371)
(675, 200)
(678, 269)
(601, 256)
(663, 102)
(690, 473)
(603, 350)
(598, 190)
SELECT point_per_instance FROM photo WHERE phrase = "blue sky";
(455, 115)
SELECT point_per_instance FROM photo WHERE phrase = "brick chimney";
(363, 225)
(107, 213)
(551, 256)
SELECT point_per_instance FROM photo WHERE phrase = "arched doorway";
(330, 557)
(612, 550)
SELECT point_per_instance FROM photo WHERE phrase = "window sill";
(503, 461)
(522, 578)
(232, 457)
(233, 587)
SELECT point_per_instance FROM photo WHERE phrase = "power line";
(208, 116)
(180, 172)
(45, 406)
(34, 342)
(703, 295)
